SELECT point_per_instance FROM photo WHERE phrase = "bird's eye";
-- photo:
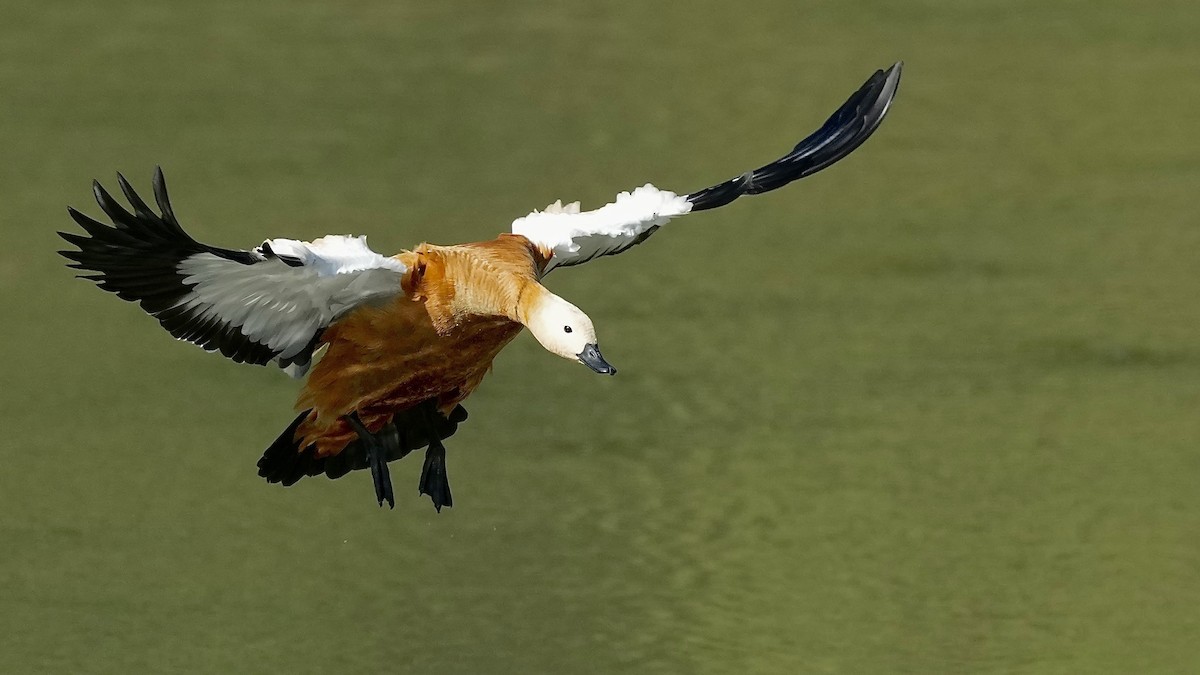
(566, 329)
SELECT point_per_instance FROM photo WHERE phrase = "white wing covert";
(572, 237)
(267, 304)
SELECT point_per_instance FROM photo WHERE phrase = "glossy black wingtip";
(93, 227)
(139, 205)
(164, 201)
(846, 129)
(721, 193)
(121, 218)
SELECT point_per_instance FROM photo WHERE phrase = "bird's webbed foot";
(378, 447)
(434, 481)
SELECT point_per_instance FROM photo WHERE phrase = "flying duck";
(392, 345)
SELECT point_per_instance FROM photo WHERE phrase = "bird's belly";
(446, 368)
(381, 361)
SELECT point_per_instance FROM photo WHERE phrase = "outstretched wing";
(256, 306)
(571, 237)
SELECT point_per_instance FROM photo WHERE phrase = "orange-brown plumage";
(462, 304)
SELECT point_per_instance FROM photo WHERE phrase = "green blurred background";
(933, 410)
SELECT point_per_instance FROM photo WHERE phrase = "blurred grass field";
(932, 411)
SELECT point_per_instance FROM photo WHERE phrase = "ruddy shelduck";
(395, 344)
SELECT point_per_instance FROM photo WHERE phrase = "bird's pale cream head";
(563, 329)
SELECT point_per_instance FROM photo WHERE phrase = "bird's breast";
(393, 357)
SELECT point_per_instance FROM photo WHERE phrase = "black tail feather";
(280, 462)
(285, 462)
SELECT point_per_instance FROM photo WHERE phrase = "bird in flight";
(393, 345)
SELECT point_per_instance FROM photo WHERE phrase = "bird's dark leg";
(377, 449)
(434, 481)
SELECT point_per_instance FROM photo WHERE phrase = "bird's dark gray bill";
(591, 357)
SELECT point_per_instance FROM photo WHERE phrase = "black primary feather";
(842, 133)
(138, 259)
